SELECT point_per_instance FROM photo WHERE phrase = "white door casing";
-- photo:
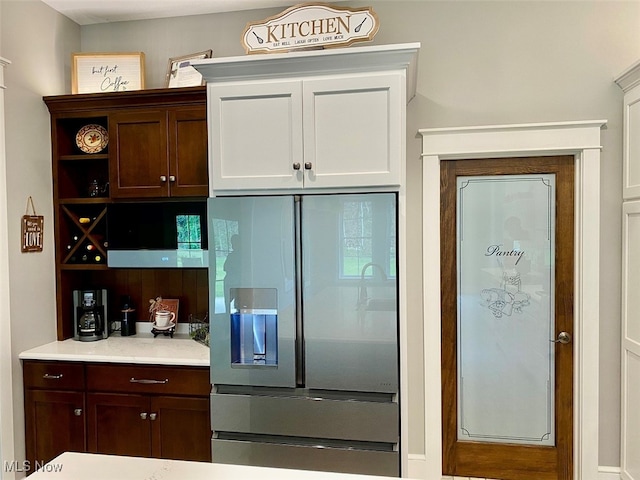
(6, 393)
(582, 139)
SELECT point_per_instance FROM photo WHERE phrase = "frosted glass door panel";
(252, 290)
(506, 245)
(349, 292)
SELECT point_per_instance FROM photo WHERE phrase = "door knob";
(77, 412)
(563, 338)
(172, 178)
(153, 416)
(308, 165)
(163, 178)
(143, 415)
(296, 166)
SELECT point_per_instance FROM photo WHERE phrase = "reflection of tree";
(360, 238)
(189, 231)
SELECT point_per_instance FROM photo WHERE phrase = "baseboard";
(417, 468)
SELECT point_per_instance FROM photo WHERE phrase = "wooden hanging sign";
(32, 229)
(310, 25)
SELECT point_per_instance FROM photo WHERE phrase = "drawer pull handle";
(77, 412)
(48, 376)
(148, 381)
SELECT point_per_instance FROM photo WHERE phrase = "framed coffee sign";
(107, 72)
(310, 26)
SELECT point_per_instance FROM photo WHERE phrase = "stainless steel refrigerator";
(304, 329)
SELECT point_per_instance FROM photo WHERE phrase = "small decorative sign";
(159, 303)
(180, 73)
(310, 26)
(32, 229)
(107, 72)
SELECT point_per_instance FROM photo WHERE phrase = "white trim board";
(581, 139)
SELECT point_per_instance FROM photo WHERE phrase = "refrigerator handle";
(300, 376)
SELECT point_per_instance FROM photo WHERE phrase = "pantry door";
(507, 246)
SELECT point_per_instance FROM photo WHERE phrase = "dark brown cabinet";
(54, 410)
(156, 148)
(164, 410)
(182, 428)
(147, 411)
(118, 424)
(159, 153)
(163, 427)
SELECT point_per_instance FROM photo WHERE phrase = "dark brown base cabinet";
(163, 427)
(133, 410)
(55, 419)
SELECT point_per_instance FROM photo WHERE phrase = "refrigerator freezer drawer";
(306, 417)
(328, 459)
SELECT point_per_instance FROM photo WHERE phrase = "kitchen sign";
(308, 26)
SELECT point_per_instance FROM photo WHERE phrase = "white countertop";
(82, 466)
(142, 348)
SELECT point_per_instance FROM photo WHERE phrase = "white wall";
(480, 63)
(6, 400)
(39, 43)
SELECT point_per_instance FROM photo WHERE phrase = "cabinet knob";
(153, 416)
(77, 412)
(143, 415)
(172, 178)
(163, 178)
(308, 165)
(296, 166)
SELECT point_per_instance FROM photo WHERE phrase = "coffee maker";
(90, 316)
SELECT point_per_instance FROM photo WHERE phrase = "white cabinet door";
(630, 447)
(353, 130)
(314, 133)
(631, 164)
(255, 135)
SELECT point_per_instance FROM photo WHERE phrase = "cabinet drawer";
(151, 379)
(54, 375)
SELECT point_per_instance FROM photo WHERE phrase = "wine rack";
(83, 240)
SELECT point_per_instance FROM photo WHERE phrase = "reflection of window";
(368, 235)
(223, 230)
(189, 232)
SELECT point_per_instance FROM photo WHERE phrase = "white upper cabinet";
(629, 81)
(354, 130)
(255, 135)
(313, 120)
